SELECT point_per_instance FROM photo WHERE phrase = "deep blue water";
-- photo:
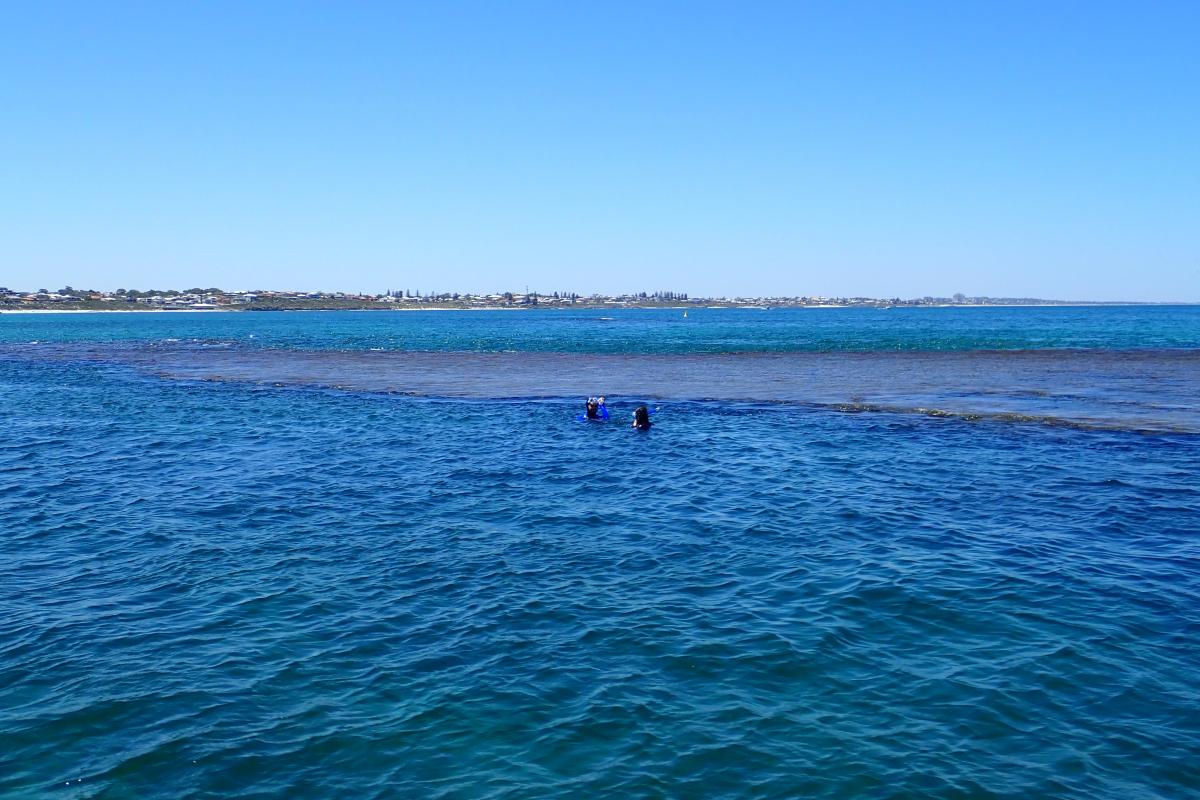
(221, 575)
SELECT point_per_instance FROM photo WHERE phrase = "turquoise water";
(293, 566)
(643, 330)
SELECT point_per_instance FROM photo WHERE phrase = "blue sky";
(1003, 148)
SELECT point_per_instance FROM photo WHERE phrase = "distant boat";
(685, 314)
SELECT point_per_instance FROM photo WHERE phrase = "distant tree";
(508, 297)
(960, 297)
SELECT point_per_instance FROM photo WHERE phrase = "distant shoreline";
(579, 307)
(174, 311)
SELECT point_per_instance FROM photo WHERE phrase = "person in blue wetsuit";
(595, 409)
(641, 418)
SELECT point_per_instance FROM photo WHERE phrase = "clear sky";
(1045, 149)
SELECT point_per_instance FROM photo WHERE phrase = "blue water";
(641, 330)
(296, 567)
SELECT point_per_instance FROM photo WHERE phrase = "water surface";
(221, 575)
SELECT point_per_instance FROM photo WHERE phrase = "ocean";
(887, 553)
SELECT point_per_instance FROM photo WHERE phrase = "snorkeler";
(596, 409)
(641, 418)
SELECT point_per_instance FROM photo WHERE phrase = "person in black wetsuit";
(641, 418)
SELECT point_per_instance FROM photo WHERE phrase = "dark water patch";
(1152, 390)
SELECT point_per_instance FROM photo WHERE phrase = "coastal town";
(213, 299)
